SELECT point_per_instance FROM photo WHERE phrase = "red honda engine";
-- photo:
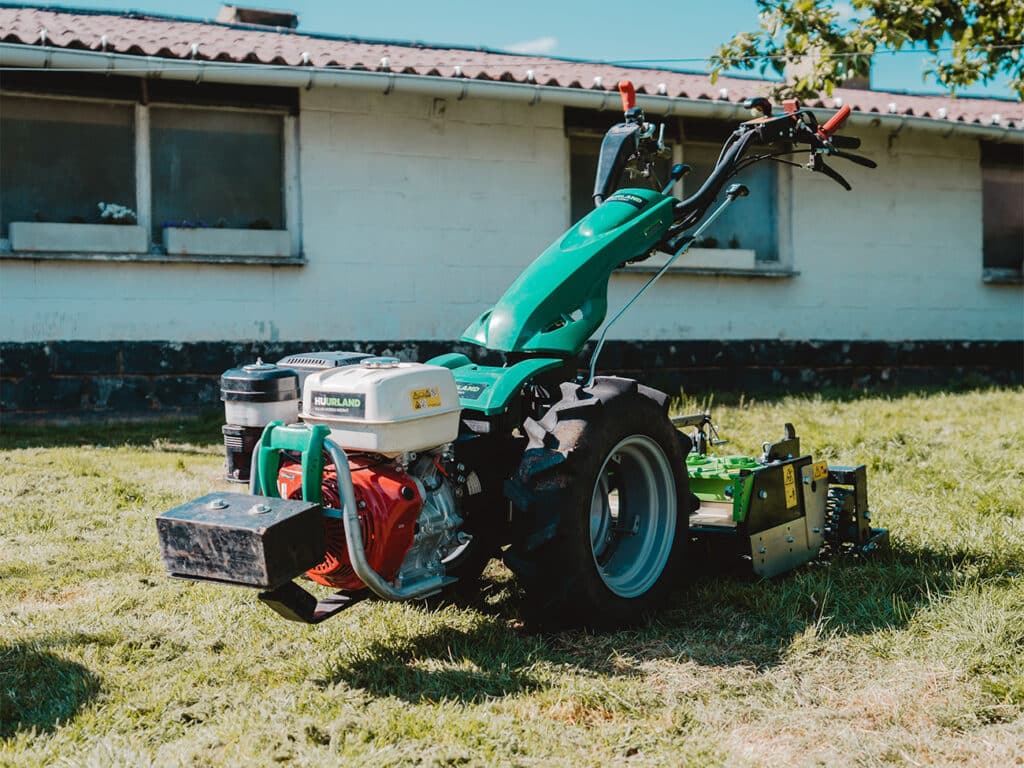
(389, 502)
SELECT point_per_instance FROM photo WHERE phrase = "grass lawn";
(917, 659)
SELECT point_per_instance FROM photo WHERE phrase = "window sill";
(252, 243)
(735, 262)
(154, 258)
(997, 276)
(49, 237)
(44, 241)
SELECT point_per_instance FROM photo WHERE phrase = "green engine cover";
(488, 388)
(561, 299)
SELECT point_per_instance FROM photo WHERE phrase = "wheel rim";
(633, 516)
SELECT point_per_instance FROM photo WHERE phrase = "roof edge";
(24, 56)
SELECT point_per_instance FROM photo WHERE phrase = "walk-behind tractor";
(401, 480)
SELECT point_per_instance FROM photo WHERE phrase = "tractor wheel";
(603, 493)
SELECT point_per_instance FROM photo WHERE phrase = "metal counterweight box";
(252, 541)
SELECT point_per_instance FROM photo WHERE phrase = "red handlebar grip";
(628, 94)
(836, 121)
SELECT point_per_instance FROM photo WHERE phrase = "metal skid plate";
(780, 549)
(296, 604)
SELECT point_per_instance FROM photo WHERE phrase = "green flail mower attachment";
(781, 509)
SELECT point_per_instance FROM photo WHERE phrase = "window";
(749, 226)
(751, 223)
(60, 158)
(1002, 173)
(216, 168)
(194, 172)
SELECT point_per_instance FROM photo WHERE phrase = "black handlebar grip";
(845, 142)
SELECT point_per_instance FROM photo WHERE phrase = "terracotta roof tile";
(136, 34)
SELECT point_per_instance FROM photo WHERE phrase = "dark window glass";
(60, 159)
(583, 151)
(1002, 172)
(216, 168)
(750, 222)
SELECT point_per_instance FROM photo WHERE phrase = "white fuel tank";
(384, 406)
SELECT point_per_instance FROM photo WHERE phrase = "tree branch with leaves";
(821, 45)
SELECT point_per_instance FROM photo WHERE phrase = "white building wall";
(416, 215)
(899, 257)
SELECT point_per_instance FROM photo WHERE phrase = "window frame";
(997, 156)
(143, 188)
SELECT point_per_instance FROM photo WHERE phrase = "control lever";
(858, 159)
(845, 142)
(737, 190)
(628, 94)
(678, 171)
(817, 164)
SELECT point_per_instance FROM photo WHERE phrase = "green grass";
(914, 659)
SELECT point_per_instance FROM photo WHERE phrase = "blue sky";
(687, 31)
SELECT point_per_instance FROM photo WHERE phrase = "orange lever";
(628, 94)
(835, 122)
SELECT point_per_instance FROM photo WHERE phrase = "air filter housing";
(254, 395)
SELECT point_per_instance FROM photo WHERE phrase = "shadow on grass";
(728, 619)
(446, 664)
(719, 619)
(39, 690)
(194, 430)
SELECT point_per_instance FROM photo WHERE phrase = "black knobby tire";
(603, 502)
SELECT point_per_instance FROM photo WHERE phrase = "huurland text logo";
(335, 401)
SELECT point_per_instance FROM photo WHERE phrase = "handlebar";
(835, 122)
(796, 126)
(631, 145)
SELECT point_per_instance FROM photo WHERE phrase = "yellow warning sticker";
(425, 398)
(789, 480)
(820, 470)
